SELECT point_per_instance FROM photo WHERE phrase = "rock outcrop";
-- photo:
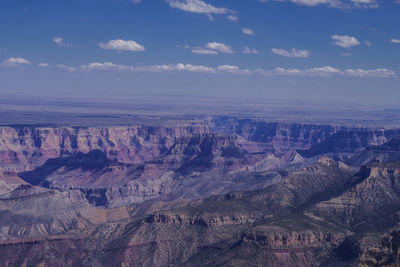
(388, 152)
(351, 140)
(225, 192)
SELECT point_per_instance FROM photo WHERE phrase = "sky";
(306, 50)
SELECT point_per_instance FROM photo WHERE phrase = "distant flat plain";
(174, 110)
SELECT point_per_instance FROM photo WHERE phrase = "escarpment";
(220, 192)
(208, 221)
(352, 140)
(25, 148)
(291, 240)
(280, 136)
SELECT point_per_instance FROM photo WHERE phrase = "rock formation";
(222, 192)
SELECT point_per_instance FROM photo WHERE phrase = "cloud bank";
(15, 61)
(326, 71)
(291, 53)
(343, 4)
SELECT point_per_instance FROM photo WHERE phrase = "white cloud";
(60, 42)
(151, 68)
(233, 18)
(368, 43)
(345, 54)
(176, 67)
(365, 3)
(247, 31)
(201, 51)
(211, 48)
(291, 53)
(67, 68)
(122, 45)
(326, 71)
(220, 47)
(331, 3)
(193, 68)
(377, 73)
(247, 50)
(44, 65)
(330, 71)
(345, 4)
(283, 71)
(228, 68)
(232, 69)
(320, 71)
(14, 61)
(197, 6)
(395, 41)
(104, 66)
(345, 41)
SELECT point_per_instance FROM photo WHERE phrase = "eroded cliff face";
(388, 152)
(291, 240)
(205, 220)
(352, 140)
(25, 148)
(119, 196)
(195, 166)
(121, 165)
(278, 136)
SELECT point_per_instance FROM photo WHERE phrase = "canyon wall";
(25, 148)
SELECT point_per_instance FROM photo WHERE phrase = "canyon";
(211, 191)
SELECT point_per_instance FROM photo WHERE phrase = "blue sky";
(336, 50)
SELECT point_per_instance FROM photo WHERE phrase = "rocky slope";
(288, 223)
(351, 140)
(225, 192)
(388, 152)
(194, 168)
(291, 223)
(226, 230)
(373, 193)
